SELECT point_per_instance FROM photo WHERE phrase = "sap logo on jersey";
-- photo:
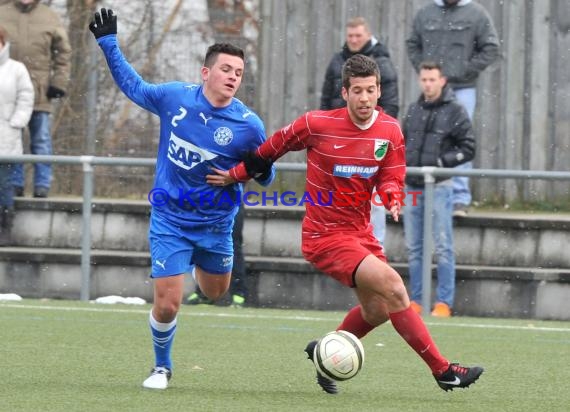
(185, 154)
(350, 171)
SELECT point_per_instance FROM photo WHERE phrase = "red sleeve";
(292, 137)
(393, 168)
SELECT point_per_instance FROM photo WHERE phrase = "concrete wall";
(507, 265)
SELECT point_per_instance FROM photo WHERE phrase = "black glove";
(54, 92)
(103, 24)
(257, 167)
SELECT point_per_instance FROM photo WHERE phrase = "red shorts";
(339, 254)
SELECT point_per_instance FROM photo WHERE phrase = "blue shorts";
(175, 249)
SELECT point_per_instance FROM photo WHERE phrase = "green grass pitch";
(75, 356)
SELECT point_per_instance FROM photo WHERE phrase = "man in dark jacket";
(459, 35)
(359, 40)
(437, 132)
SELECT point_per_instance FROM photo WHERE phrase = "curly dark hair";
(359, 65)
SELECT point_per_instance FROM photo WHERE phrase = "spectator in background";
(437, 132)
(39, 40)
(16, 105)
(238, 286)
(461, 37)
(359, 40)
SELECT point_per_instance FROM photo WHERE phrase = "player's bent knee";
(214, 286)
(401, 294)
(165, 311)
(396, 295)
(215, 293)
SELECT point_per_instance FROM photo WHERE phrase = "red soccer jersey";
(344, 161)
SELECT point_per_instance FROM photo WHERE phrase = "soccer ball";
(338, 355)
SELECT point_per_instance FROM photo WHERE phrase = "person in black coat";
(359, 40)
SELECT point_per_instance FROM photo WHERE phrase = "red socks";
(412, 328)
(354, 323)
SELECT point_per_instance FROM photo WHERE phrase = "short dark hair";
(3, 35)
(359, 65)
(431, 65)
(221, 48)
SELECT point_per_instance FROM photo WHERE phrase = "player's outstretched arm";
(104, 28)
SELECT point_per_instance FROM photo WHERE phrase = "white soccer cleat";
(158, 379)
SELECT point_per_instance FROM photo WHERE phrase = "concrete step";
(282, 282)
(270, 263)
(73, 256)
(490, 239)
(506, 273)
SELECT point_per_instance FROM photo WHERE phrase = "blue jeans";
(461, 192)
(442, 237)
(378, 220)
(40, 143)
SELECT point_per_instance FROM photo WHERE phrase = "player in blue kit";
(202, 127)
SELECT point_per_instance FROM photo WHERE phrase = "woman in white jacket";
(16, 105)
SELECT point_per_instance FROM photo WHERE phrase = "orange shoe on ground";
(416, 307)
(441, 310)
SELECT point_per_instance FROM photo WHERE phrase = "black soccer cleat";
(457, 376)
(329, 386)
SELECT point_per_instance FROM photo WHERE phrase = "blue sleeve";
(144, 94)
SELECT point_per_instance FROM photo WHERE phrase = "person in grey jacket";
(16, 105)
(437, 132)
(459, 35)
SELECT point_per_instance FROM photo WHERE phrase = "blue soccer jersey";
(194, 137)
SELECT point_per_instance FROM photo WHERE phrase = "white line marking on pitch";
(281, 317)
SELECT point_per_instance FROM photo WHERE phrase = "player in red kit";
(350, 151)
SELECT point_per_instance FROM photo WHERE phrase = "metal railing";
(87, 163)
(429, 173)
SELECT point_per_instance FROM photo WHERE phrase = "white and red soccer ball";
(338, 355)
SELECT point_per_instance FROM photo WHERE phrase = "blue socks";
(162, 338)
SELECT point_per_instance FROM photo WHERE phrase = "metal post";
(429, 181)
(86, 227)
(91, 98)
